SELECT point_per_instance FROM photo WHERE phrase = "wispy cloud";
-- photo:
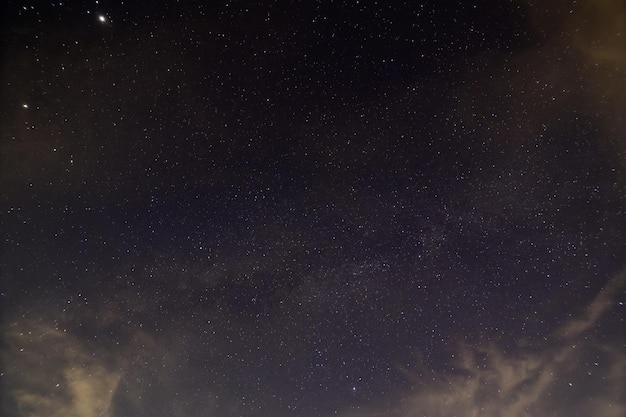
(573, 374)
(50, 373)
(594, 311)
(53, 372)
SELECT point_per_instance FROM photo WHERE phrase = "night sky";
(313, 209)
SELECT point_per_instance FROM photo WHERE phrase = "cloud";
(50, 373)
(571, 373)
(599, 29)
(594, 311)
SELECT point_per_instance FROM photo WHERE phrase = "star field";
(313, 209)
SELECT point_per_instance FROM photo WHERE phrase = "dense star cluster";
(313, 209)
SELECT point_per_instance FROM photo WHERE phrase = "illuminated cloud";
(570, 375)
(594, 311)
(52, 374)
(599, 29)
